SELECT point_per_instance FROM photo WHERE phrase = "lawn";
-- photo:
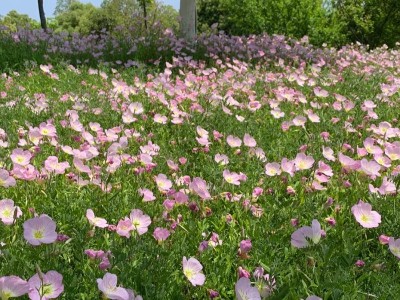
(198, 173)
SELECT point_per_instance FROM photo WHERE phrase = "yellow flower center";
(7, 212)
(38, 234)
(188, 273)
(46, 290)
(364, 218)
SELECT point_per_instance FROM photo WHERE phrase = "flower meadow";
(260, 168)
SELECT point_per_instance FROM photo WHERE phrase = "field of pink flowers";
(262, 168)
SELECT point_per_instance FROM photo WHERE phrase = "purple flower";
(300, 236)
(12, 286)
(40, 230)
(192, 270)
(244, 290)
(46, 286)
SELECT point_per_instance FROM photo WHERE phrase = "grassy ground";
(215, 100)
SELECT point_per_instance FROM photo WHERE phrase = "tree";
(63, 6)
(42, 15)
(13, 20)
(187, 13)
(82, 18)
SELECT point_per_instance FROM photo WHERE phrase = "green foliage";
(14, 20)
(335, 22)
(74, 16)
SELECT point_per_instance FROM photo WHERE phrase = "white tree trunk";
(188, 19)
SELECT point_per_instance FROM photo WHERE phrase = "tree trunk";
(188, 19)
(42, 16)
(145, 13)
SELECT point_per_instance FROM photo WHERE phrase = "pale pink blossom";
(96, 221)
(193, 271)
(364, 215)
(9, 212)
(199, 186)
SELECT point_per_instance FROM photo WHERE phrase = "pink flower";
(266, 283)
(12, 286)
(233, 141)
(365, 215)
(328, 153)
(231, 177)
(50, 288)
(272, 169)
(124, 227)
(303, 162)
(108, 286)
(40, 230)
(370, 168)
(147, 194)
(47, 130)
(161, 234)
(27, 172)
(245, 291)
(249, 141)
(95, 221)
(192, 270)
(348, 163)
(21, 157)
(244, 247)
(163, 183)
(140, 221)
(9, 212)
(394, 247)
(51, 164)
(383, 239)
(221, 159)
(199, 186)
(6, 180)
(80, 166)
(288, 166)
(301, 237)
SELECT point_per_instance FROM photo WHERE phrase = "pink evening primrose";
(50, 288)
(199, 186)
(6, 180)
(147, 194)
(364, 215)
(163, 183)
(231, 177)
(394, 247)
(303, 162)
(245, 291)
(161, 234)
(108, 286)
(8, 211)
(21, 157)
(300, 238)
(95, 221)
(51, 164)
(140, 221)
(12, 286)
(192, 270)
(40, 230)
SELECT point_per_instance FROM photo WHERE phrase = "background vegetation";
(334, 22)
